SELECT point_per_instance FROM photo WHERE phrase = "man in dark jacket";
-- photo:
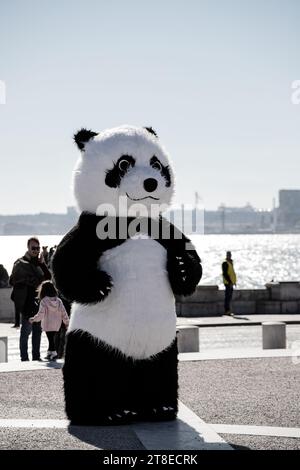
(27, 274)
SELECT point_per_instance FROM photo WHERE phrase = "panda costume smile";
(121, 351)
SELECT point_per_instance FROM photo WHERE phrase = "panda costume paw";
(105, 285)
(184, 272)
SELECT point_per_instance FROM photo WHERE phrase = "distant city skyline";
(215, 79)
(282, 218)
(196, 200)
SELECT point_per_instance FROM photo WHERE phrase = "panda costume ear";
(83, 136)
(152, 131)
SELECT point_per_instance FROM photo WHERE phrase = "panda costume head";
(124, 164)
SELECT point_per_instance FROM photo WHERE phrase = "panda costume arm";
(74, 264)
(183, 263)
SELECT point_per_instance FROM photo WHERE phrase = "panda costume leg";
(105, 387)
(158, 386)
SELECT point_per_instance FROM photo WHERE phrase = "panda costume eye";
(164, 170)
(120, 168)
(157, 165)
(124, 164)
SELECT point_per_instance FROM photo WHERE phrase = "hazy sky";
(213, 78)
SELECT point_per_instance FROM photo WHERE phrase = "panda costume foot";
(163, 413)
(113, 419)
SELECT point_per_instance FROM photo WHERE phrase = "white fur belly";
(138, 317)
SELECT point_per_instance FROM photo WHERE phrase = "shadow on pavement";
(238, 447)
(107, 437)
(53, 365)
(236, 317)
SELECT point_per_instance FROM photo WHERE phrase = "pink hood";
(51, 313)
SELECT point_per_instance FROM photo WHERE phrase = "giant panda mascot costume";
(121, 351)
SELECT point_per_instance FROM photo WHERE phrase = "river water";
(258, 259)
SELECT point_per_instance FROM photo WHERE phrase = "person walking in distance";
(229, 280)
(51, 313)
(4, 277)
(27, 274)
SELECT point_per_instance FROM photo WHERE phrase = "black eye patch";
(120, 168)
(164, 170)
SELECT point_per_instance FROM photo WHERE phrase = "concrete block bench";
(274, 335)
(3, 349)
(187, 338)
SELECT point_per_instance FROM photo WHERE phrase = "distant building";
(38, 224)
(289, 209)
(244, 219)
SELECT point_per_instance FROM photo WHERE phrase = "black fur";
(74, 263)
(124, 389)
(151, 130)
(114, 176)
(83, 136)
(75, 269)
(183, 263)
(165, 172)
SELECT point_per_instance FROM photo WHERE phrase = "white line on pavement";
(256, 430)
(18, 366)
(34, 423)
(235, 354)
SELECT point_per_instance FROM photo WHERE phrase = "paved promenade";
(230, 398)
(238, 320)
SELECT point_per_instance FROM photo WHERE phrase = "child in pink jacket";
(51, 313)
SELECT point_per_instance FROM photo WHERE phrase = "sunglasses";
(35, 248)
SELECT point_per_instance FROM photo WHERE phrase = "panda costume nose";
(150, 185)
